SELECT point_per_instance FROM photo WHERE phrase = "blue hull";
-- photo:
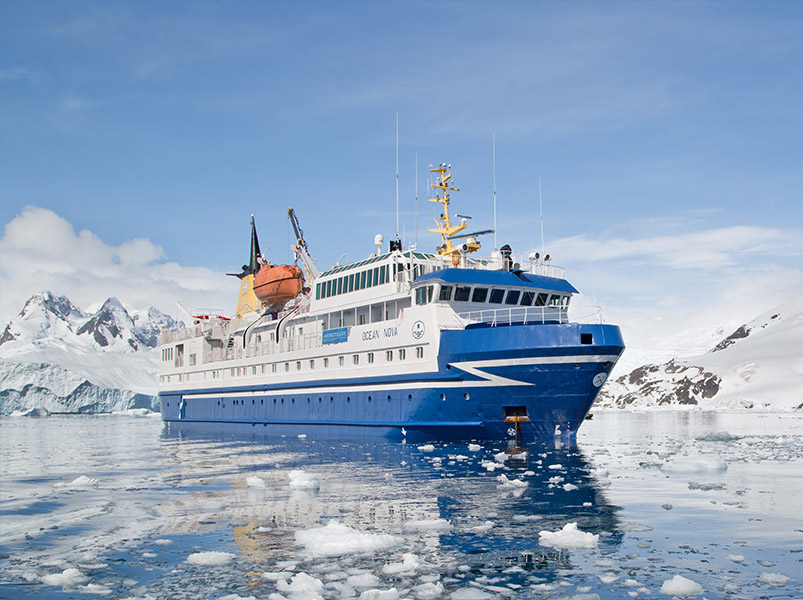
(537, 374)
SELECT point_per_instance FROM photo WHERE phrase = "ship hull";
(491, 383)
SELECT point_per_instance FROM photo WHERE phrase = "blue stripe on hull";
(453, 404)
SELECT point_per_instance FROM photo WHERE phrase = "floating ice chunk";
(635, 527)
(428, 590)
(587, 504)
(162, 542)
(506, 484)
(702, 463)
(706, 487)
(363, 581)
(391, 594)
(94, 588)
(276, 575)
(67, 578)
(78, 483)
(737, 558)
(428, 525)
(470, 594)
(556, 479)
(569, 487)
(301, 585)
(337, 539)
(474, 447)
(408, 565)
(718, 436)
(555, 467)
(491, 466)
(234, 597)
(31, 412)
(482, 527)
(680, 586)
(426, 448)
(501, 457)
(210, 559)
(608, 578)
(774, 579)
(522, 518)
(256, 482)
(568, 537)
(302, 436)
(302, 480)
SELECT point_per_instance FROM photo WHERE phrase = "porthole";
(466, 396)
(443, 396)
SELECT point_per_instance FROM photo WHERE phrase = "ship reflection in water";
(461, 510)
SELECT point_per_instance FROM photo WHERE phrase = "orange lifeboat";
(277, 283)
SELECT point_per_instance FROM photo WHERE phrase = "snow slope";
(760, 365)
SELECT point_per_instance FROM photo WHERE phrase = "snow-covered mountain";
(53, 355)
(760, 365)
(48, 321)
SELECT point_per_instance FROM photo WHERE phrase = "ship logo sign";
(599, 379)
(419, 330)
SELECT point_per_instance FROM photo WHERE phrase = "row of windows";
(353, 282)
(312, 364)
(467, 293)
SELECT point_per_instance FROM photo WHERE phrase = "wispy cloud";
(720, 247)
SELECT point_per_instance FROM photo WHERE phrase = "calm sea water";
(115, 506)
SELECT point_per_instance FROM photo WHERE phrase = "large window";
(479, 294)
(512, 297)
(496, 296)
(462, 293)
(527, 298)
(446, 293)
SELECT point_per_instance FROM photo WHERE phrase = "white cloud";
(712, 248)
(40, 250)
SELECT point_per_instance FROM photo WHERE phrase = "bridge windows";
(462, 293)
(480, 294)
(512, 297)
(496, 296)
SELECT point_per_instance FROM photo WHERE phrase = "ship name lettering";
(391, 331)
(371, 334)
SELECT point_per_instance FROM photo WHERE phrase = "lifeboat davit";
(278, 283)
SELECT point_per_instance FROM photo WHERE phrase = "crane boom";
(301, 249)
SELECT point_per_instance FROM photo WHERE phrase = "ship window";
(362, 319)
(192, 360)
(496, 296)
(328, 291)
(445, 294)
(402, 353)
(356, 359)
(389, 356)
(382, 276)
(479, 294)
(554, 300)
(527, 298)
(462, 293)
(286, 367)
(341, 360)
(253, 370)
(540, 300)
(362, 280)
(351, 282)
(370, 358)
(273, 368)
(318, 291)
(512, 297)
(264, 368)
(232, 372)
(419, 352)
(566, 300)
(325, 362)
(339, 285)
(312, 364)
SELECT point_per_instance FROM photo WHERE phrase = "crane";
(301, 249)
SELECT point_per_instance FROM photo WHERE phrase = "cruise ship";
(404, 345)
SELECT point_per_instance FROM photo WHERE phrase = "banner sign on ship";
(336, 336)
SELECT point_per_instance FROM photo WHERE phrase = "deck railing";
(526, 316)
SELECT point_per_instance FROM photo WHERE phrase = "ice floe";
(210, 559)
(301, 480)
(681, 586)
(702, 463)
(337, 539)
(568, 537)
(81, 482)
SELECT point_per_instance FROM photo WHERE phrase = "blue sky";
(139, 137)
